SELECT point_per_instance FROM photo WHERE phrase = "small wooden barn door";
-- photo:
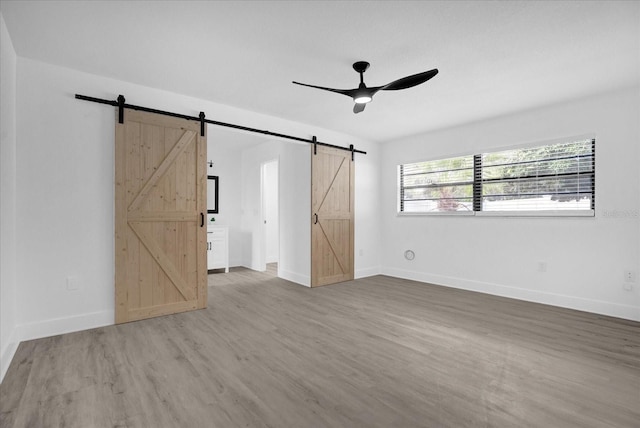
(160, 198)
(332, 180)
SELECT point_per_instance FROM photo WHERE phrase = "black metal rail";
(120, 103)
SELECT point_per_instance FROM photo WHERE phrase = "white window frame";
(541, 213)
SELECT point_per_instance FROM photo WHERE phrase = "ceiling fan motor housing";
(361, 66)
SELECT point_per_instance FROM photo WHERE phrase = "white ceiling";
(494, 57)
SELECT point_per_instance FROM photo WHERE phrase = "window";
(443, 185)
(557, 177)
(550, 179)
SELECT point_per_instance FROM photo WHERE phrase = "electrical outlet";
(542, 266)
(72, 283)
(629, 276)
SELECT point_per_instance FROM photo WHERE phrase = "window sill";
(436, 214)
(567, 213)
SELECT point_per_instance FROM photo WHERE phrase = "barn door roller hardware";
(120, 103)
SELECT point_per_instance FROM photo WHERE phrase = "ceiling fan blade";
(347, 92)
(357, 108)
(410, 81)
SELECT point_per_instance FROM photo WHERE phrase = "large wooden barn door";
(332, 180)
(160, 201)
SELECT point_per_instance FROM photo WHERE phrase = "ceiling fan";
(362, 94)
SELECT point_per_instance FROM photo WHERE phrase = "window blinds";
(552, 177)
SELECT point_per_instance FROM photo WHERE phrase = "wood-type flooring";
(374, 352)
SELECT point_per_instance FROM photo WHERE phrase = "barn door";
(160, 198)
(332, 179)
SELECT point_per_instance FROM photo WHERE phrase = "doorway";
(246, 164)
(270, 212)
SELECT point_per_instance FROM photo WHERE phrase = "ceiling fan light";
(362, 99)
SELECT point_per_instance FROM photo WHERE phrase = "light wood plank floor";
(376, 352)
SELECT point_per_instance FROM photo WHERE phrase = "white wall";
(368, 241)
(8, 338)
(585, 257)
(64, 195)
(226, 165)
(270, 183)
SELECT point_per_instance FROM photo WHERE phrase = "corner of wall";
(294, 277)
(8, 335)
(364, 273)
(7, 354)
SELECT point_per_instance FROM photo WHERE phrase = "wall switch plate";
(72, 283)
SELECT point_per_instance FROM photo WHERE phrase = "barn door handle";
(201, 219)
(315, 220)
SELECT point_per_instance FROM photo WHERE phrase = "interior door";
(160, 201)
(332, 211)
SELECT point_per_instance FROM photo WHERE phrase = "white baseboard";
(10, 348)
(630, 312)
(363, 273)
(294, 277)
(50, 327)
(56, 326)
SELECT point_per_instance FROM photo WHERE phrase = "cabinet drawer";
(216, 233)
